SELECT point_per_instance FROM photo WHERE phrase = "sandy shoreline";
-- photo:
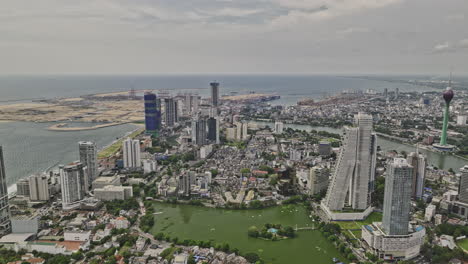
(65, 128)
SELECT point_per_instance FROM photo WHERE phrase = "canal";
(230, 226)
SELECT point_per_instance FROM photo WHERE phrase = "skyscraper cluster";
(205, 129)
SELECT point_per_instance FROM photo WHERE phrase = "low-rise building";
(430, 212)
(120, 222)
(100, 182)
(324, 148)
(25, 224)
(79, 235)
(393, 247)
(110, 192)
(149, 166)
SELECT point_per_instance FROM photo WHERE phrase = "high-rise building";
(191, 104)
(158, 113)
(397, 198)
(279, 126)
(184, 184)
(397, 92)
(199, 136)
(171, 111)
(152, 113)
(73, 183)
(245, 134)
(214, 93)
(231, 133)
(195, 103)
(418, 161)
(22, 187)
(39, 188)
(463, 185)
(131, 153)
(213, 129)
(385, 93)
(241, 131)
(5, 223)
(318, 179)
(88, 157)
(353, 178)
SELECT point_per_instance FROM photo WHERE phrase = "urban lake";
(230, 226)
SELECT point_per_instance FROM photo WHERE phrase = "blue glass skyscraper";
(152, 114)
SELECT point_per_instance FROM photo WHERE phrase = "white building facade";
(131, 153)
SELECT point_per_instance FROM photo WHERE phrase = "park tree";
(253, 231)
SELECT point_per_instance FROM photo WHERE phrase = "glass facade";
(152, 113)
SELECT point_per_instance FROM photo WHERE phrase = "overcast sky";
(233, 36)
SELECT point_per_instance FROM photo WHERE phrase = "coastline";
(75, 135)
(64, 128)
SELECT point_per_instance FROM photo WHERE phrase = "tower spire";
(450, 80)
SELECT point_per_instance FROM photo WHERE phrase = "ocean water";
(30, 148)
(289, 87)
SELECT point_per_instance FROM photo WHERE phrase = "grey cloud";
(447, 47)
(261, 36)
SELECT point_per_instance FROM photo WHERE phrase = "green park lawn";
(348, 225)
(463, 244)
(112, 149)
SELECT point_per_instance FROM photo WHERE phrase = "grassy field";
(463, 244)
(349, 225)
(112, 149)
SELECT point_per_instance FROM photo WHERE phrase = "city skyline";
(210, 131)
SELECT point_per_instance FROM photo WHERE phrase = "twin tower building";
(348, 196)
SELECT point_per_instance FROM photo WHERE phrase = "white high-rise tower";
(5, 223)
(131, 153)
(353, 179)
(88, 157)
(279, 126)
(73, 182)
